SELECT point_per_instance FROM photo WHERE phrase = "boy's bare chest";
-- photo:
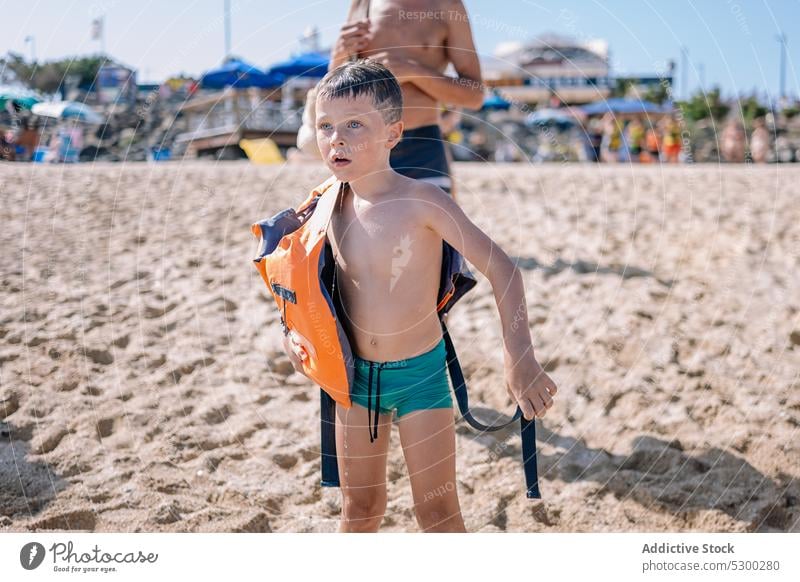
(377, 240)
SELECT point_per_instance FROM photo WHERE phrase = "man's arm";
(351, 36)
(526, 380)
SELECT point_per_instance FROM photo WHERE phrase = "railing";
(267, 117)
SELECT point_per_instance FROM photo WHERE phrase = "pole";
(701, 69)
(782, 92)
(227, 28)
(32, 41)
(685, 71)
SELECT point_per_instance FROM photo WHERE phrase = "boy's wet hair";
(364, 77)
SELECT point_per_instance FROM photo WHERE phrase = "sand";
(143, 387)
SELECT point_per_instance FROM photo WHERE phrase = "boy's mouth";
(339, 161)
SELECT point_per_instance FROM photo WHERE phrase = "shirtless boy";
(390, 313)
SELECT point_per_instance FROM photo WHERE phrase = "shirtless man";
(416, 40)
(390, 315)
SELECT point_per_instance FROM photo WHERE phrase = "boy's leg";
(429, 445)
(362, 468)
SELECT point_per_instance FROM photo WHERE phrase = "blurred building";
(550, 66)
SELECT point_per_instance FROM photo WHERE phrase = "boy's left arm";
(526, 380)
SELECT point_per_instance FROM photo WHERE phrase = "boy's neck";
(375, 184)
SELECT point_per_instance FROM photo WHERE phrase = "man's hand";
(530, 386)
(353, 37)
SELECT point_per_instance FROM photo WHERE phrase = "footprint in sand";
(284, 461)
(217, 415)
(79, 519)
(49, 440)
(9, 403)
(105, 427)
(99, 355)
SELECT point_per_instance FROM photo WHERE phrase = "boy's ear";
(395, 134)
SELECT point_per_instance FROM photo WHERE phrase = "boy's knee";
(364, 510)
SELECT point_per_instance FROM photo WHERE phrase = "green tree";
(702, 105)
(656, 93)
(49, 76)
(751, 109)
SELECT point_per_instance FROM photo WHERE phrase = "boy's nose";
(336, 139)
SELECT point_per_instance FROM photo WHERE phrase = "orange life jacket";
(297, 264)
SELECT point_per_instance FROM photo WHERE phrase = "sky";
(729, 43)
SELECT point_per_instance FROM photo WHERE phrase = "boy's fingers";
(527, 408)
(541, 409)
(552, 388)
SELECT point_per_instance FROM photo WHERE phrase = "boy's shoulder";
(424, 193)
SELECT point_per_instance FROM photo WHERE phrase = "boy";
(386, 235)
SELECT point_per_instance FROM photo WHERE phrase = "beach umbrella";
(20, 96)
(311, 64)
(620, 106)
(495, 102)
(239, 74)
(67, 110)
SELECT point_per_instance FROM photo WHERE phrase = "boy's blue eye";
(324, 125)
(354, 124)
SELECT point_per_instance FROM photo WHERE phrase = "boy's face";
(353, 137)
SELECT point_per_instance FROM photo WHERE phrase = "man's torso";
(413, 29)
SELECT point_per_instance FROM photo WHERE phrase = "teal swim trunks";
(418, 383)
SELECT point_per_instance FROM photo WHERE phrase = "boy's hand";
(530, 386)
(294, 347)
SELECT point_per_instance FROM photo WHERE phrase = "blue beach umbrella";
(241, 75)
(309, 64)
(495, 102)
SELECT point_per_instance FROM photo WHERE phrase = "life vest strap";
(329, 463)
(527, 427)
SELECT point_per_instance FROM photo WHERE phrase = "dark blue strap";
(528, 433)
(527, 427)
(329, 463)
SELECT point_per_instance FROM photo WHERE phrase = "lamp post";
(30, 39)
(781, 38)
(685, 71)
(227, 28)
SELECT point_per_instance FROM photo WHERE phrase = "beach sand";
(143, 387)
